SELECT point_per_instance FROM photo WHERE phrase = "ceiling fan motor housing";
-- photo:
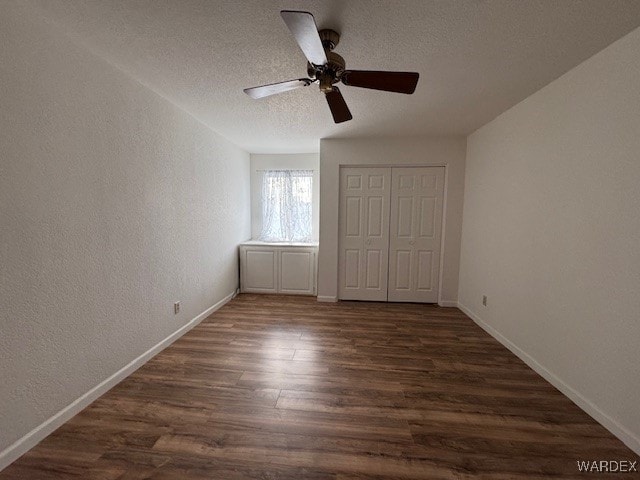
(330, 73)
(329, 38)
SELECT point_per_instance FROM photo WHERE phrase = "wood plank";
(287, 388)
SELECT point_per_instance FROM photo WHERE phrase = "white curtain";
(286, 205)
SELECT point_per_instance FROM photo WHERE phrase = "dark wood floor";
(274, 387)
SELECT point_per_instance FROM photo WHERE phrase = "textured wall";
(448, 151)
(113, 205)
(551, 232)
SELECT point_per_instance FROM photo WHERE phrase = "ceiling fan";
(328, 68)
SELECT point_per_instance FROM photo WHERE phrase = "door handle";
(411, 242)
(368, 242)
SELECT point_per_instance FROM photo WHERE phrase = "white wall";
(444, 151)
(300, 161)
(552, 233)
(113, 205)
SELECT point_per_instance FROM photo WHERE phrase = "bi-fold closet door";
(390, 233)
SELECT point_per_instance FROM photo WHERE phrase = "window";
(286, 205)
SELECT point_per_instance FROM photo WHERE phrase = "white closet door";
(417, 195)
(364, 233)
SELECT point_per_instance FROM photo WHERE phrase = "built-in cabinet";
(278, 268)
(390, 233)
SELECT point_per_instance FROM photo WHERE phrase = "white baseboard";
(325, 298)
(35, 436)
(448, 303)
(629, 438)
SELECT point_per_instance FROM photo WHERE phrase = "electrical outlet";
(176, 308)
(484, 300)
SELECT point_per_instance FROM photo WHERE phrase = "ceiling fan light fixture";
(326, 82)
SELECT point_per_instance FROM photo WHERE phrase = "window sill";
(278, 244)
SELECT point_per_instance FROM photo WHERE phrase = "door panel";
(354, 182)
(352, 269)
(403, 269)
(260, 271)
(376, 181)
(374, 220)
(405, 216)
(353, 214)
(428, 217)
(425, 270)
(374, 269)
(417, 195)
(297, 270)
(364, 233)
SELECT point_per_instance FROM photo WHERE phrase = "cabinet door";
(297, 271)
(259, 270)
(416, 229)
(364, 233)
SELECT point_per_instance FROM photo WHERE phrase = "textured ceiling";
(476, 58)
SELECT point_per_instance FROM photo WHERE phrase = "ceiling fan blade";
(273, 88)
(338, 106)
(399, 82)
(304, 30)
